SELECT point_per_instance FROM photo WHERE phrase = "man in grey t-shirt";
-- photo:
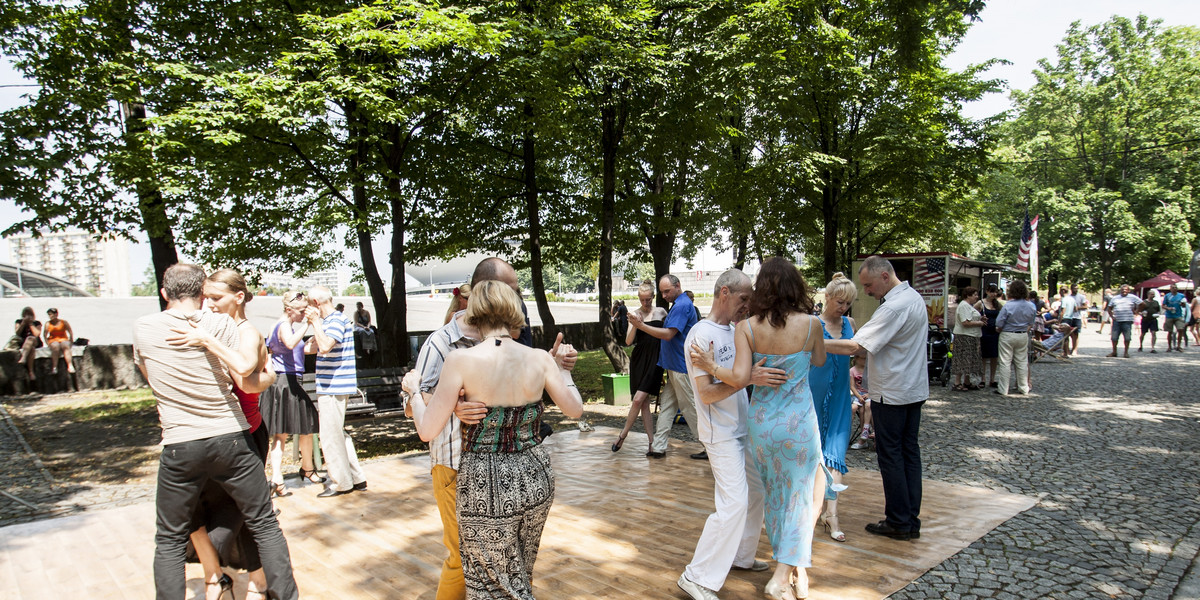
(205, 436)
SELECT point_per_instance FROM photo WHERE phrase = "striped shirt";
(446, 448)
(1122, 307)
(336, 373)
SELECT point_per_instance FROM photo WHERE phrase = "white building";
(285, 282)
(337, 280)
(100, 265)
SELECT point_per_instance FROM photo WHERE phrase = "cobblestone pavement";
(1108, 444)
(29, 492)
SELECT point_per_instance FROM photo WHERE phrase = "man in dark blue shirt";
(677, 391)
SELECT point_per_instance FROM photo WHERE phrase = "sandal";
(279, 491)
(960, 388)
(832, 527)
(617, 445)
(311, 476)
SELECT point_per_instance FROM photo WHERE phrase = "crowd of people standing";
(998, 334)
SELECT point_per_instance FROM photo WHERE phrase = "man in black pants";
(205, 436)
(894, 341)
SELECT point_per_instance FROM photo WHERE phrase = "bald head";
(495, 269)
(731, 296)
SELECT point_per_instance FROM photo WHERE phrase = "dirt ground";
(112, 438)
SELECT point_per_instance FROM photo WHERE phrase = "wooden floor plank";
(622, 526)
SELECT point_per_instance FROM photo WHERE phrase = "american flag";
(929, 273)
(1028, 241)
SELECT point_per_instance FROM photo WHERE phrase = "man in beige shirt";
(205, 436)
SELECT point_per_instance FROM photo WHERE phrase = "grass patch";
(109, 405)
(592, 364)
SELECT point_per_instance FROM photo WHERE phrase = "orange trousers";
(445, 489)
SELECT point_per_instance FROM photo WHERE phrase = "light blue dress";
(831, 395)
(787, 451)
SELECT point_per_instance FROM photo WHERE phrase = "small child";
(861, 403)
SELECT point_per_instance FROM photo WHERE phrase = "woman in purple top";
(286, 408)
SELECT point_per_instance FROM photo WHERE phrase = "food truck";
(937, 276)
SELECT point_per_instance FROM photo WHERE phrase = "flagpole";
(1033, 263)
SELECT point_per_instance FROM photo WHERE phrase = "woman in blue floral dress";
(784, 437)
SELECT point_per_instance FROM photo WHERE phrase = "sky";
(1019, 31)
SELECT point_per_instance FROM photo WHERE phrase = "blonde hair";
(463, 291)
(295, 299)
(494, 305)
(232, 280)
(646, 287)
(840, 287)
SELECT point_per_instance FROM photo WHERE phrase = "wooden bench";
(378, 391)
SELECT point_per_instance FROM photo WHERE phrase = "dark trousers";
(899, 454)
(228, 460)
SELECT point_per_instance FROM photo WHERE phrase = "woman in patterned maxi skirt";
(505, 482)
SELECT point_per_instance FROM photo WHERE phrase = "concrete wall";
(96, 368)
(112, 367)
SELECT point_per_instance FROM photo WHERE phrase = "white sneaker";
(695, 590)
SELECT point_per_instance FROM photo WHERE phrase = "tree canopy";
(611, 133)
(1099, 147)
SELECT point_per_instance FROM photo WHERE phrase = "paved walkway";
(1108, 444)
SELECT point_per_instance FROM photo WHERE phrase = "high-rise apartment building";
(98, 265)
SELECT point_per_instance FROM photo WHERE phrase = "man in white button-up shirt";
(894, 341)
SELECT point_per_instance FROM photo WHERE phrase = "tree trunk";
(829, 227)
(390, 322)
(739, 254)
(151, 205)
(395, 324)
(611, 125)
(533, 215)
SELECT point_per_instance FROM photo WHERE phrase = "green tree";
(148, 286)
(356, 109)
(1101, 141)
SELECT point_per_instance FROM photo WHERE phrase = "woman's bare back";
(795, 336)
(506, 375)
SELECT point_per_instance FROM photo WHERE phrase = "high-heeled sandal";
(778, 591)
(834, 531)
(226, 584)
(799, 588)
(279, 491)
(617, 445)
(310, 475)
(255, 594)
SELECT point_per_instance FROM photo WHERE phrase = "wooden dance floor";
(622, 526)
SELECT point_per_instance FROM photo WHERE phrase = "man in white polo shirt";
(337, 378)
(730, 534)
(894, 341)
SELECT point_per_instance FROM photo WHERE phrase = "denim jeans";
(183, 470)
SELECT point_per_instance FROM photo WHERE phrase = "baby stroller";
(938, 355)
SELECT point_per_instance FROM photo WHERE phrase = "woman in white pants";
(1013, 322)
